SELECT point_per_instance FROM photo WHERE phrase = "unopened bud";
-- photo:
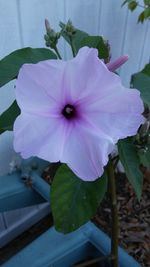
(51, 37)
(47, 26)
(112, 66)
(69, 29)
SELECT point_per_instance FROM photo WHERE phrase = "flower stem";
(57, 52)
(72, 46)
(114, 214)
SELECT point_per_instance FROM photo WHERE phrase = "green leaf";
(141, 81)
(74, 201)
(131, 162)
(141, 17)
(147, 13)
(96, 42)
(77, 37)
(132, 5)
(10, 65)
(146, 69)
(125, 2)
(147, 2)
(8, 117)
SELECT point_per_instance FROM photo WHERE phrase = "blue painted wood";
(14, 193)
(18, 222)
(17, 195)
(57, 250)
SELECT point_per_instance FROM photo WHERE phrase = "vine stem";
(114, 214)
(57, 52)
(72, 47)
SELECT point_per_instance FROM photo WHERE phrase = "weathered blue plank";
(55, 249)
(14, 193)
(18, 223)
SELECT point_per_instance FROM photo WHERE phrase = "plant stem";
(57, 52)
(72, 47)
(114, 214)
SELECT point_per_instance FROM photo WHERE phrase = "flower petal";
(118, 115)
(86, 153)
(38, 87)
(86, 75)
(38, 136)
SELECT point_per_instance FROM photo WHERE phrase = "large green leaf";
(8, 117)
(96, 42)
(141, 81)
(10, 65)
(74, 201)
(131, 162)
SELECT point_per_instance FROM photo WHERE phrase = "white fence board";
(32, 16)
(133, 45)
(113, 24)
(9, 41)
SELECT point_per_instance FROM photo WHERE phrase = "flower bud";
(112, 66)
(69, 29)
(51, 37)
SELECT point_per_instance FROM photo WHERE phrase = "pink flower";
(74, 112)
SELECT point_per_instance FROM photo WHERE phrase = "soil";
(134, 220)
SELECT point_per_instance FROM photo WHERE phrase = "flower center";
(69, 111)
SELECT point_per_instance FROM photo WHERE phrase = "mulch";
(134, 218)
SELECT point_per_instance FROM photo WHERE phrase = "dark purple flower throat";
(69, 112)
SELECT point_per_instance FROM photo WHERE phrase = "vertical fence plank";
(145, 54)
(33, 14)
(10, 41)
(85, 15)
(113, 25)
(133, 45)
